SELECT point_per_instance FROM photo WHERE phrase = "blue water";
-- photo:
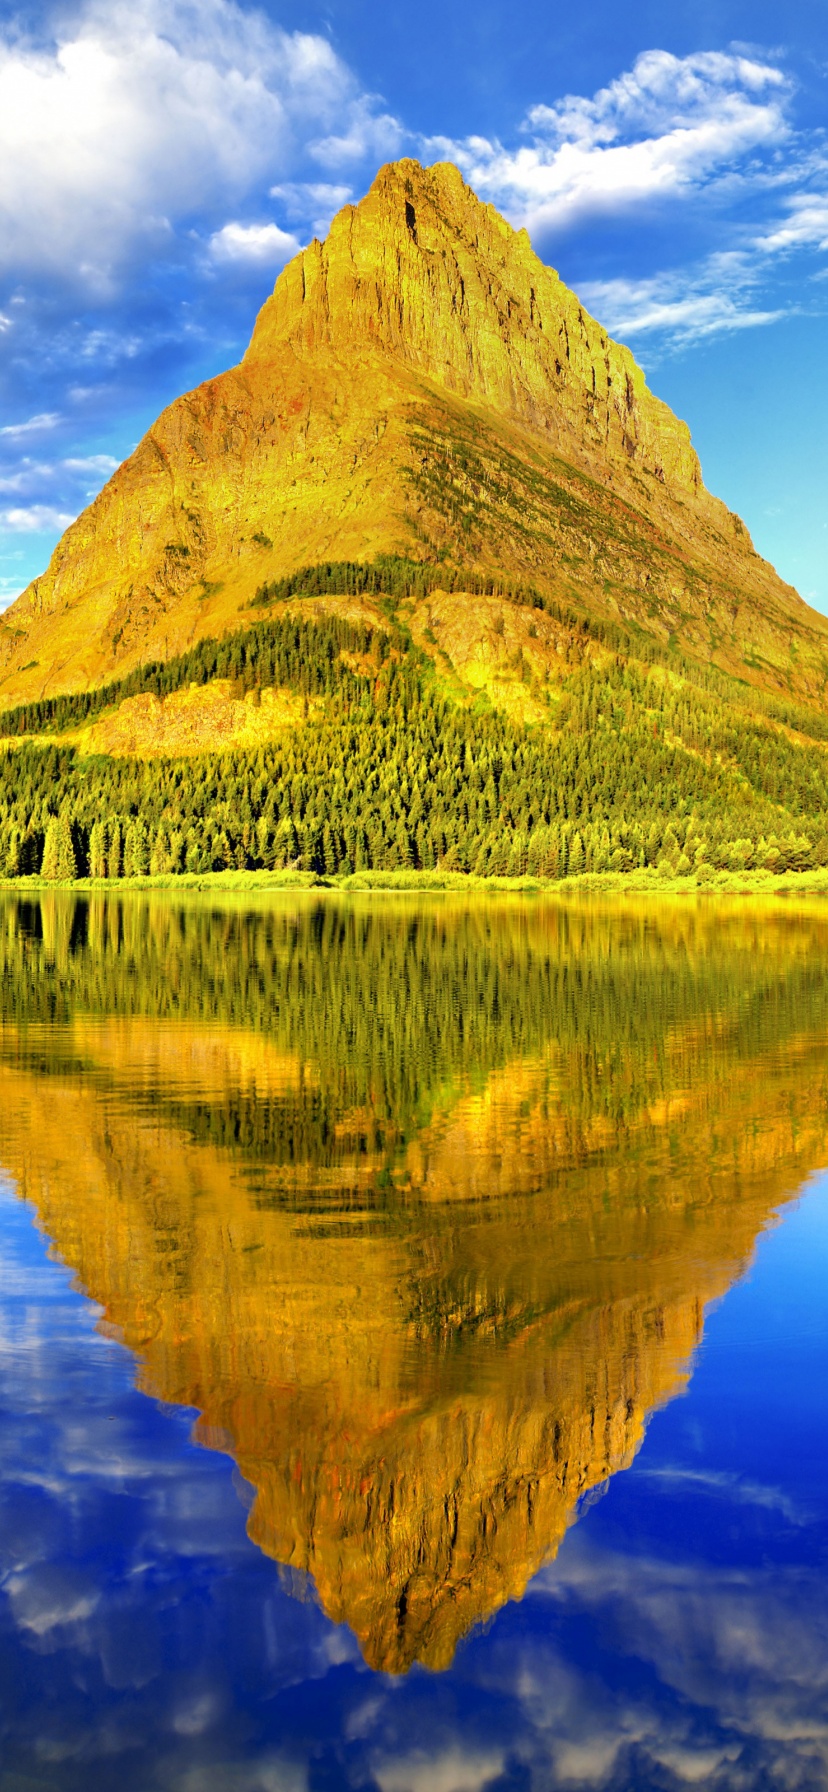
(680, 1637)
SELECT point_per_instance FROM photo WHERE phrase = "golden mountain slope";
(419, 384)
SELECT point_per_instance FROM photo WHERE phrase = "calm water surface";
(413, 1346)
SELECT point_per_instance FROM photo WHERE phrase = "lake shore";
(641, 882)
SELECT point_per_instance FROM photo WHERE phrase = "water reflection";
(419, 1205)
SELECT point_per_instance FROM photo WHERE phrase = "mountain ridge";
(419, 385)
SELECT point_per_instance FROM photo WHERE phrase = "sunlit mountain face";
(419, 1205)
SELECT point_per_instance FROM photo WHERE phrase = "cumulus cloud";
(666, 127)
(48, 494)
(37, 519)
(712, 131)
(142, 112)
(262, 244)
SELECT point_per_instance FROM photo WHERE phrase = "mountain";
(431, 579)
(418, 385)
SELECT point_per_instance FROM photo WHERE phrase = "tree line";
(301, 654)
(638, 766)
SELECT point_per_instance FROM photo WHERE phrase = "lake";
(413, 1344)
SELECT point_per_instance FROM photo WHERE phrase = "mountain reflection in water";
(419, 1204)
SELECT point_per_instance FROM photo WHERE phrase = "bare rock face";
(440, 283)
(418, 384)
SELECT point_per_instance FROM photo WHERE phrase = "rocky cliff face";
(427, 276)
(418, 384)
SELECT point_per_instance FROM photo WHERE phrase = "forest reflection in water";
(418, 1203)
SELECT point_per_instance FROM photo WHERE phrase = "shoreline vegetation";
(645, 881)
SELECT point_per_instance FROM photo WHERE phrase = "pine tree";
(49, 866)
(67, 857)
(328, 851)
(160, 855)
(113, 857)
(59, 862)
(97, 850)
(265, 842)
(576, 856)
(13, 854)
(136, 851)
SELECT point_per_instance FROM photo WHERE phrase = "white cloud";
(665, 128)
(741, 1645)
(25, 478)
(33, 425)
(314, 200)
(806, 225)
(146, 110)
(301, 196)
(108, 347)
(35, 519)
(262, 244)
(679, 307)
(92, 463)
(668, 130)
(661, 94)
(367, 134)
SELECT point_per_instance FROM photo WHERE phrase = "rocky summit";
(420, 386)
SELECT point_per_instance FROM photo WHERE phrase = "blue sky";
(160, 161)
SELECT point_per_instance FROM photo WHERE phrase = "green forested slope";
(640, 758)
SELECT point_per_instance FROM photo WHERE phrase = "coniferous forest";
(647, 759)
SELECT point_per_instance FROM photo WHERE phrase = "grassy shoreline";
(638, 883)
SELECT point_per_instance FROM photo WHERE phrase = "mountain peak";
(424, 271)
(418, 385)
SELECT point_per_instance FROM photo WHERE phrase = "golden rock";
(418, 384)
